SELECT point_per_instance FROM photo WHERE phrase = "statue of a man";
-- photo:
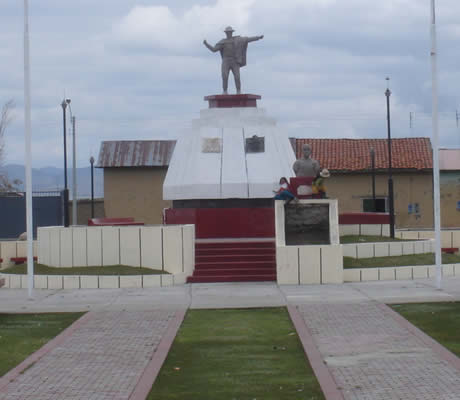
(306, 166)
(233, 51)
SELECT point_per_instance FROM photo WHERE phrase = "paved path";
(103, 359)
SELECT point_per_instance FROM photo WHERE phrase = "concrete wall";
(135, 192)
(170, 248)
(449, 237)
(12, 248)
(84, 210)
(386, 249)
(450, 196)
(409, 188)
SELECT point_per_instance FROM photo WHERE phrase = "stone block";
(287, 265)
(371, 229)
(446, 239)
(352, 275)
(426, 235)
(403, 273)
(382, 249)
(395, 248)
(346, 230)
(7, 251)
(448, 270)
(79, 257)
(420, 271)
(130, 250)
(456, 239)
(66, 235)
(331, 264)
(350, 250)
(428, 246)
(71, 281)
(365, 250)
(40, 281)
(407, 248)
(24, 281)
(94, 246)
(133, 281)
(15, 281)
(152, 247)
(387, 274)
(409, 235)
(398, 234)
(108, 282)
(55, 247)
(309, 265)
(43, 236)
(21, 249)
(180, 279)
(188, 236)
(456, 269)
(6, 278)
(173, 249)
(89, 281)
(55, 282)
(110, 245)
(418, 247)
(386, 230)
(167, 280)
(151, 281)
(369, 274)
(432, 271)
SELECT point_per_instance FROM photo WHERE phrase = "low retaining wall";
(364, 229)
(13, 281)
(449, 238)
(169, 248)
(398, 273)
(13, 248)
(384, 249)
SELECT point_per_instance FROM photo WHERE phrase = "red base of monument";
(232, 100)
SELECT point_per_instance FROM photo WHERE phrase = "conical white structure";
(211, 162)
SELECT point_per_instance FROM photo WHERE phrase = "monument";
(233, 52)
(306, 166)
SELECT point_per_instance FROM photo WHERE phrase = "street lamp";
(91, 160)
(64, 104)
(390, 172)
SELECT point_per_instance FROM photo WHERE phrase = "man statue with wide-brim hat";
(233, 51)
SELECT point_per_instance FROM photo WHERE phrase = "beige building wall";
(135, 192)
(409, 188)
(84, 210)
(450, 196)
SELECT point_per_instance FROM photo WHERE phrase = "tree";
(5, 118)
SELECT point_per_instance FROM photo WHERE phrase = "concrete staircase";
(236, 261)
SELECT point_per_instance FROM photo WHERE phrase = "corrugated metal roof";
(449, 159)
(135, 153)
(354, 154)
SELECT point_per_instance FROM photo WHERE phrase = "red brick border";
(34, 357)
(150, 373)
(324, 376)
(437, 348)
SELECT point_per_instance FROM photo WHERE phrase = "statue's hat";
(229, 29)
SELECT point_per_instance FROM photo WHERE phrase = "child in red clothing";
(284, 192)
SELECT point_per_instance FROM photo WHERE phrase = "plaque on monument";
(211, 145)
(306, 224)
(255, 144)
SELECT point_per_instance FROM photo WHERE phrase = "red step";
(234, 250)
(229, 272)
(235, 264)
(231, 278)
(218, 258)
(239, 245)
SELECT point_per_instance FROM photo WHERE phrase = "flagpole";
(435, 142)
(28, 154)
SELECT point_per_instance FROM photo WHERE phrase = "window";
(380, 205)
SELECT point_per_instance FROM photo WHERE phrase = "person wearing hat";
(233, 52)
(318, 183)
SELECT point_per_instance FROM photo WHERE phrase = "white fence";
(12, 249)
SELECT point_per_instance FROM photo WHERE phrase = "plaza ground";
(358, 347)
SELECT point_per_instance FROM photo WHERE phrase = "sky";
(138, 70)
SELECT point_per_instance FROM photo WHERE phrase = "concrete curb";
(437, 348)
(42, 351)
(326, 380)
(150, 373)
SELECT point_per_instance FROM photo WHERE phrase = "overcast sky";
(137, 69)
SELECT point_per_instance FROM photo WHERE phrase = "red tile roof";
(354, 154)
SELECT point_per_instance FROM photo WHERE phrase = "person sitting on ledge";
(284, 192)
(318, 183)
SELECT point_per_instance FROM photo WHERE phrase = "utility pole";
(390, 172)
(64, 104)
(74, 176)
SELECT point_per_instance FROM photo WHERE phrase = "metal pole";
(28, 155)
(390, 171)
(436, 189)
(74, 176)
(66, 189)
(373, 179)
(91, 160)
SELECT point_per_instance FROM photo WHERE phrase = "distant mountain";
(51, 178)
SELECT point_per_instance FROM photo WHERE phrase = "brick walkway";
(373, 357)
(103, 359)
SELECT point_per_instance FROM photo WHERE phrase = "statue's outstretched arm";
(212, 48)
(254, 38)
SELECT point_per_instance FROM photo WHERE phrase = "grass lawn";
(395, 261)
(22, 334)
(236, 354)
(367, 238)
(439, 320)
(40, 269)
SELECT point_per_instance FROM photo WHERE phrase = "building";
(349, 161)
(449, 164)
(134, 171)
